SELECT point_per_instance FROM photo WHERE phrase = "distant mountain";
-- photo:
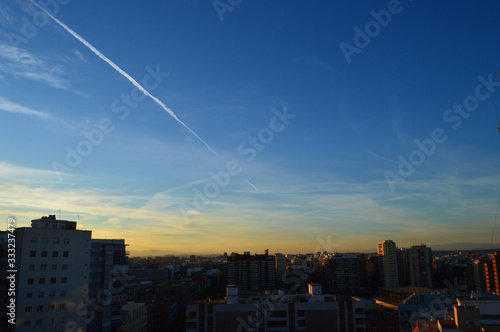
(157, 252)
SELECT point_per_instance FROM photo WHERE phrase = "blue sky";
(232, 73)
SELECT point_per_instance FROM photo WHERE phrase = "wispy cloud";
(79, 55)
(9, 106)
(20, 174)
(345, 207)
(18, 55)
(20, 63)
(6, 16)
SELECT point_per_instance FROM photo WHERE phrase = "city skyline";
(65, 278)
(330, 126)
(324, 245)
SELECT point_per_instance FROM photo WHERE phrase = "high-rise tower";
(388, 263)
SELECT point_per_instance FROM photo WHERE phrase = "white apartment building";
(52, 259)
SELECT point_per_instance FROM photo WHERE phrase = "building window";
(45, 240)
(52, 293)
(44, 253)
(40, 295)
(63, 293)
(27, 323)
(33, 240)
(39, 308)
(41, 281)
(54, 267)
(55, 253)
(32, 253)
(61, 320)
(63, 280)
(276, 323)
(280, 313)
(50, 321)
(43, 267)
(31, 267)
(62, 306)
(66, 240)
(27, 309)
(56, 240)
(30, 281)
(65, 266)
(65, 253)
(38, 322)
(52, 280)
(29, 295)
(51, 307)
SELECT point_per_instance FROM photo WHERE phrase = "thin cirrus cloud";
(112, 210)
(79, 55)
(9, 106)
(6, 16)
(20, 63)
(10, 171)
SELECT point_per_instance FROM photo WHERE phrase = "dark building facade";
(107, 285)
(252, 273)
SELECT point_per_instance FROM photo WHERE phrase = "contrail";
(251, 185)
(127, 76)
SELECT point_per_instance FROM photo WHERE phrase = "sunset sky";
(294, 126)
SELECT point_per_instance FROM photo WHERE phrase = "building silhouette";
(403, 267)
(420, 261)
(281, 263)
(312, 311)
(388, 264)
(53, 261)
(252, 273)
(344, 273)
(67, 281)
(480, 273)
(107, 282)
